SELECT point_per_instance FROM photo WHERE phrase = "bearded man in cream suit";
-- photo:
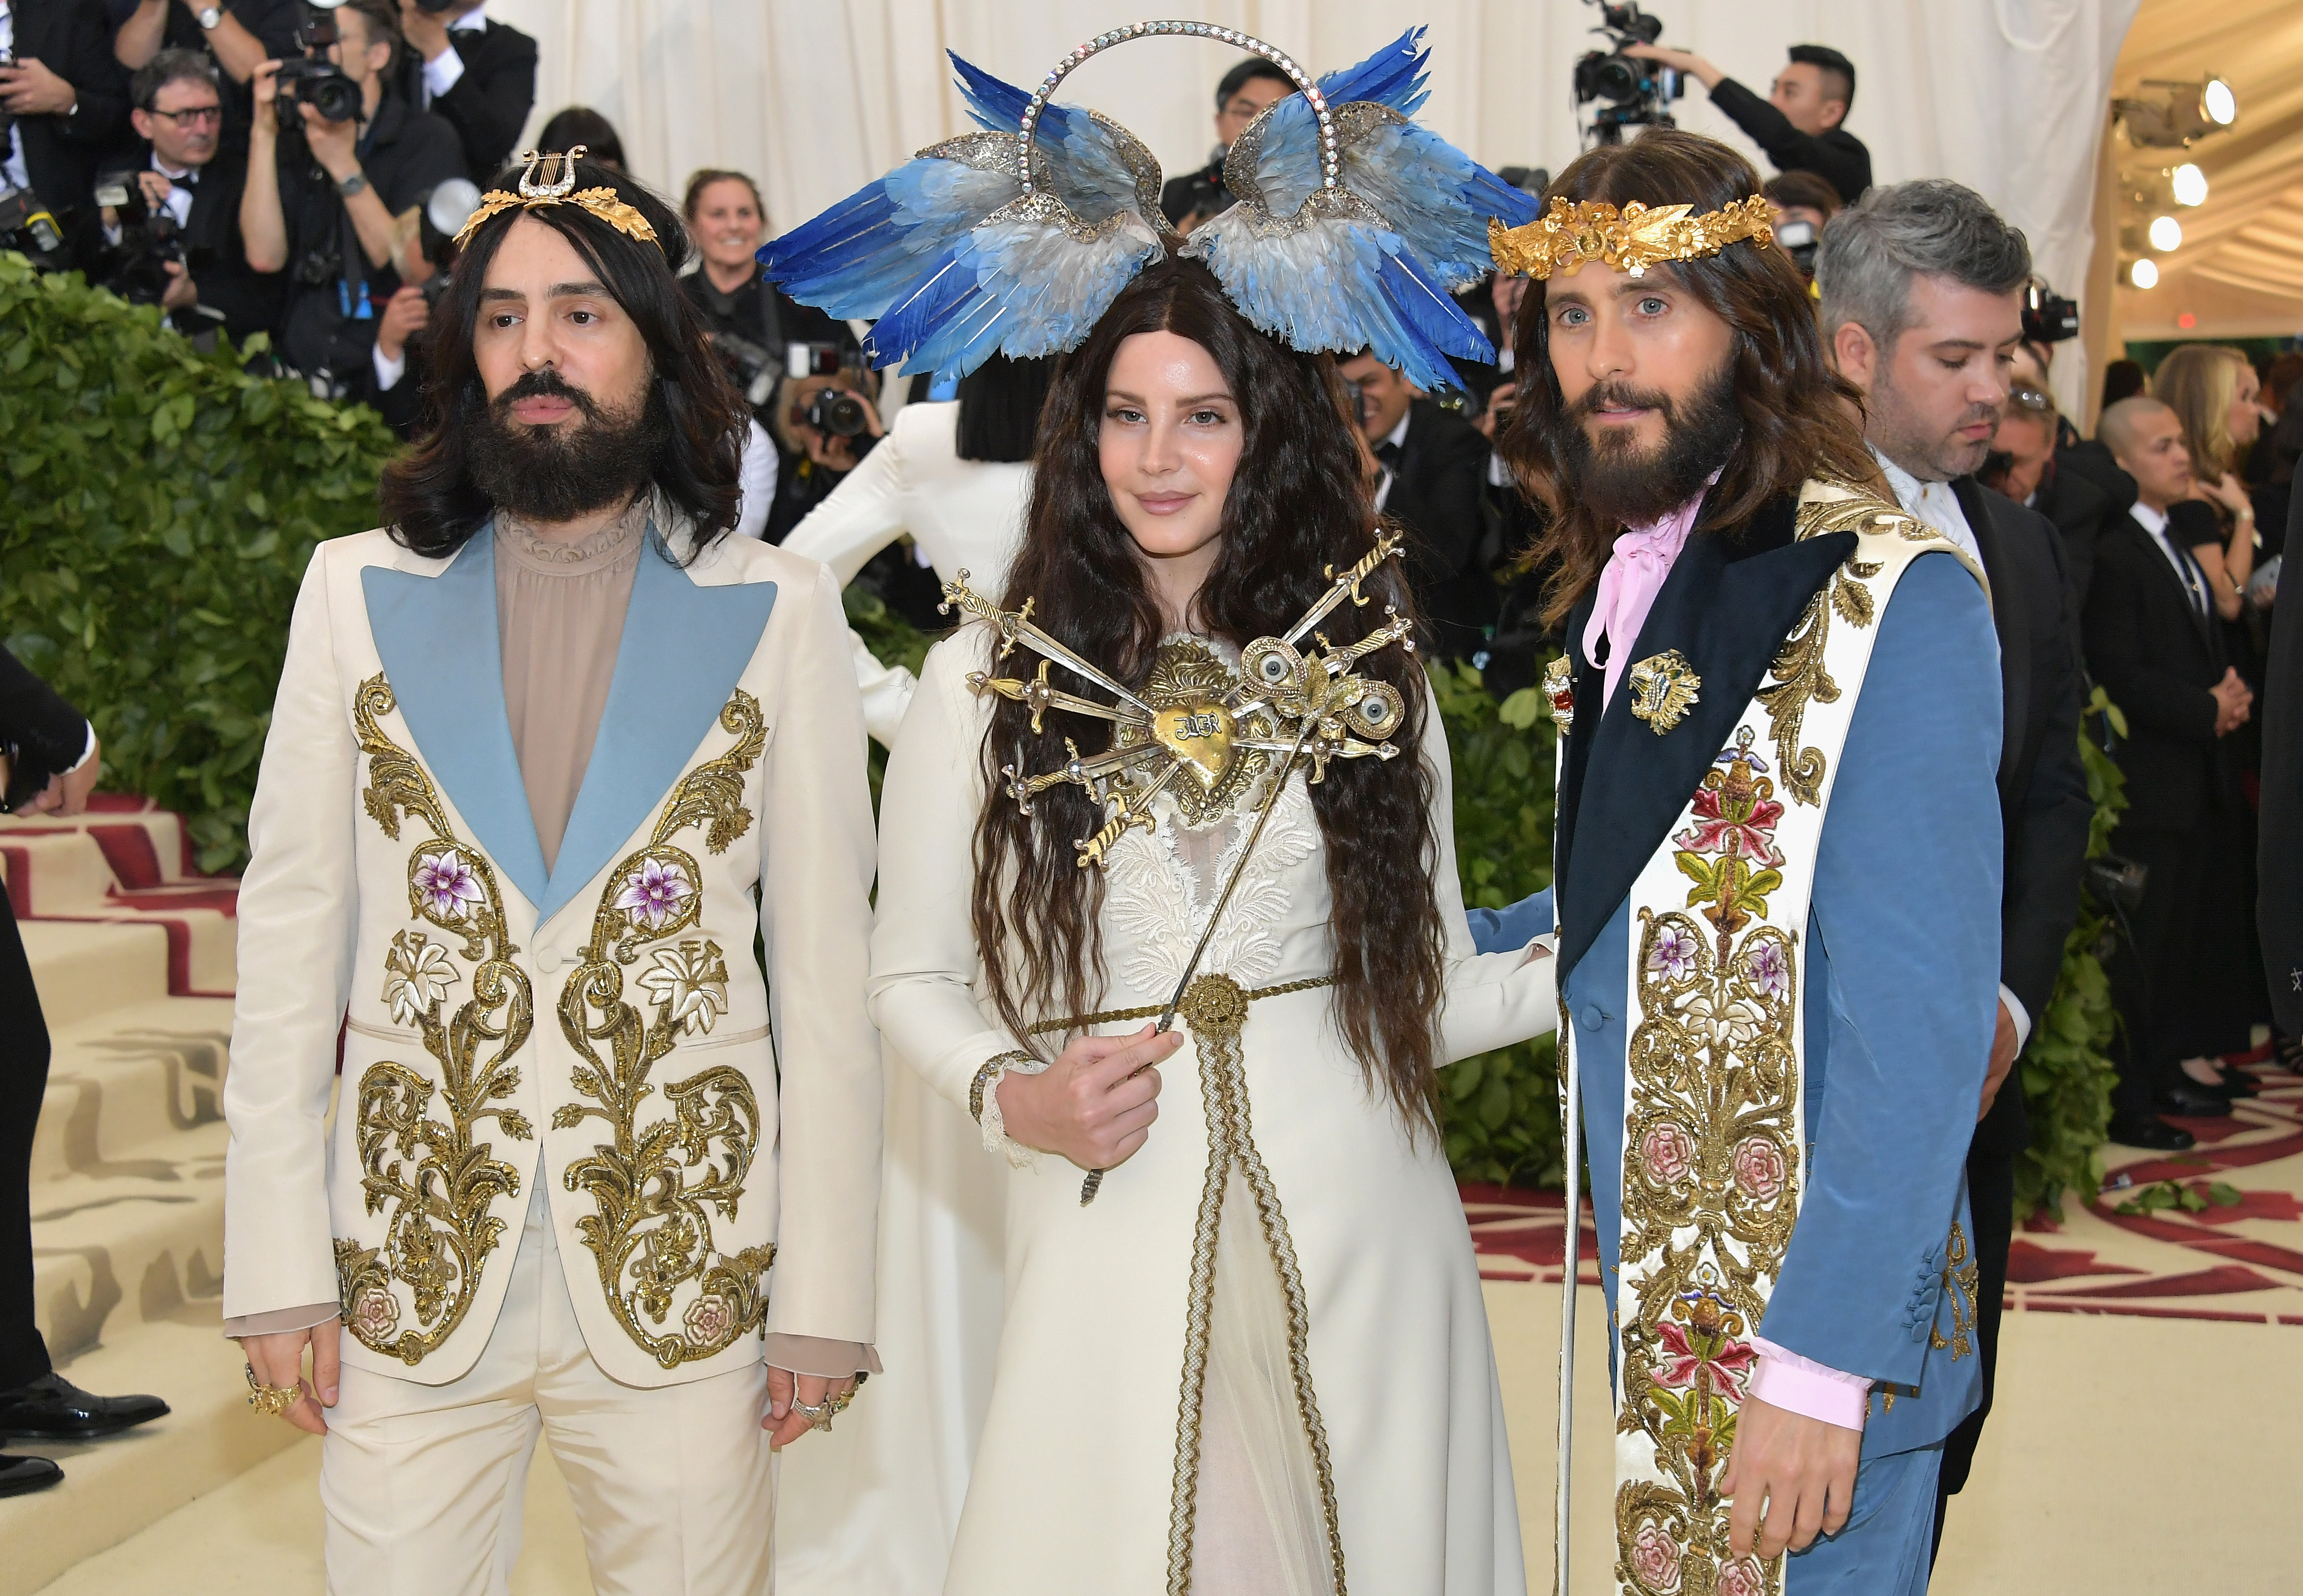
(548, 750)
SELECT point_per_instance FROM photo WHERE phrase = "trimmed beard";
(548, 475)
(1621, 484)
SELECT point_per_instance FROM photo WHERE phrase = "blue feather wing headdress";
(1353, 224)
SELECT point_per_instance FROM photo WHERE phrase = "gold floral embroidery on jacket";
(434, 1179)
(1962, 1278)
(1711, 1178)
(655, 1189)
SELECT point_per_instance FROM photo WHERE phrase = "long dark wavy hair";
(428, 496)
(1298, 506)
(1799, 417)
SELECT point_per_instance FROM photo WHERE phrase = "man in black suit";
(186, 175)
(2279, 894)
(1798, 124)
(1921, 287)
(2029, 464)
(53, 766)
(64, 99)
(2153, 643)
(1434, 482)
(1248, 91)
(477, 72)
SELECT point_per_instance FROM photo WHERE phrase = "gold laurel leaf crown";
(1630, 240)
(536, 191)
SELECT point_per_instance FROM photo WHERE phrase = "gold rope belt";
(1215, 1007)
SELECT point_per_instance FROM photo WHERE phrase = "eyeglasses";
(2031, 399)
(192, 116)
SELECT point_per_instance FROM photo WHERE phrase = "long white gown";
(871, 1509)
(1266, 1373)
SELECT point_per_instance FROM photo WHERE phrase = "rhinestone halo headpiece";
(537, 191)
(1569, 235)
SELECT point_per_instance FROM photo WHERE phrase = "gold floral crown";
(1629, 240)
(535, 193)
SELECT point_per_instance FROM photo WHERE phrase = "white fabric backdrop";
(816, 97)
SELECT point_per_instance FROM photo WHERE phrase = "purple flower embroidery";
(1769, 972)
(446, 884)
(1673, 953)
(654, 893)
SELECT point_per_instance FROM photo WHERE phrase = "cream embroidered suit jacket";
(603, 1026)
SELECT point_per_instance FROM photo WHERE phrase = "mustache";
(544, 383)
(1620, 396)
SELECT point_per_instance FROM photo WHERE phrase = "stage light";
(2190, 184)
(2143, 275)
(2166, 234)
(2216, 99)
(2171, 114)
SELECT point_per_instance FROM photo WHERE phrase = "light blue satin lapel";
(441, 651)
(683, 648)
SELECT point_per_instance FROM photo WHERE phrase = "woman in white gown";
(1259, 1361)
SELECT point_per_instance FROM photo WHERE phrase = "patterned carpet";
(2213, 1233)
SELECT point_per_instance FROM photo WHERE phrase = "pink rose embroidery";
(710, 1321)
(1654, 1557)
(376, 1314)
(1759, 1167)
(1668, 1154)
(1743, 1577)
(654, 893)
(447, 885)
(1673, 953)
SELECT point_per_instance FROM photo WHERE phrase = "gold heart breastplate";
(1186, 690)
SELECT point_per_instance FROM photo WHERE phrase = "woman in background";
(2213, 390)
(954, 476)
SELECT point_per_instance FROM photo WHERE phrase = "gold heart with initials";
(1199, 734)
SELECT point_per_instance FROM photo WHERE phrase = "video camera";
(2047, 316)
(1638, 93)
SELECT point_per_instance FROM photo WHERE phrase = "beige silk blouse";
(559, 614)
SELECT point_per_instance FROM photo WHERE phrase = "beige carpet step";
(111, 1255)
(124, 1088)
(116, 1487)
(86, 970)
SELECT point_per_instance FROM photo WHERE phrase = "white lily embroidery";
(691, 982)
(416, 974)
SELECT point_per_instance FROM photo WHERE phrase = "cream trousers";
(423, 1484)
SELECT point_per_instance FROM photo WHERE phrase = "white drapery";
(816, 97)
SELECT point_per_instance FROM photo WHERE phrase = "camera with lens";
(836, 413)
(1637, 93)
(2047, 316)
(139, 273)
(319, 84)
(29, 228)
(1799, 238)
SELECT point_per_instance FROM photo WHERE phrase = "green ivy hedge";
(161, 505)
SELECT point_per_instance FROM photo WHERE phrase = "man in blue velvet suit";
(551, 750)
(1778, 902)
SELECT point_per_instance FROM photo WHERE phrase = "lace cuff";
(983, 1102)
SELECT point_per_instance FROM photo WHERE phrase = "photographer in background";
(61, 102)
(238, 35)
(477, 74)
(1248, 91)
(171, 233)
(1798, 123)
(322, 192)
(1802, 203)
(1432, 480)
(779, 353)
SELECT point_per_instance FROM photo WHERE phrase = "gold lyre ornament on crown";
(1566, 237)
(1287, 701)
(535, 192)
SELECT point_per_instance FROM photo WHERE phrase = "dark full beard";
(1621, 484)
(553, 473)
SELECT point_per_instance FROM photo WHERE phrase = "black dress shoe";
(2145, 1130)
(2238, 1083)
(53, 1408)
(20, 1476)
(2186, 1099)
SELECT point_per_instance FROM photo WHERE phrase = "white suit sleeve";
(757, 480)
(298, 917)
(861, 517)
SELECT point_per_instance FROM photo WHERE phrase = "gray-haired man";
(1921, 285)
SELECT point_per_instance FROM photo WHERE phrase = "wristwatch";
(207, 17)
(352, 184)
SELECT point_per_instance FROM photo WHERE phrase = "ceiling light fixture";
(2143, 275)
(2190, 184)
(2166, 234)
(2220, 104)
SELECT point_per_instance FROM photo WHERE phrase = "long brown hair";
(2198, 383)
(1799, 417)
(1298, 507)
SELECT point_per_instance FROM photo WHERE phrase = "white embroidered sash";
(1713, 1131)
